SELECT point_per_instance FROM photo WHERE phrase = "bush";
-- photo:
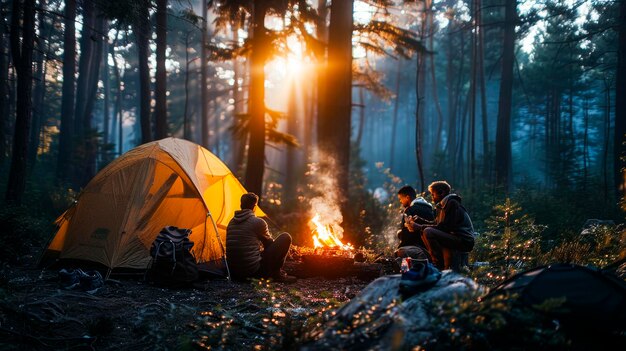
(21, 230)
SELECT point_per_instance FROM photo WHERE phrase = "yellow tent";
(122, 209)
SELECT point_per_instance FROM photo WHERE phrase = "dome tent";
(588, 296)
(169, 182)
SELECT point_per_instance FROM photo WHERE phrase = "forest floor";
(128, 313)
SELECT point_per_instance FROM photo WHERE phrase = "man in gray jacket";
(245, 235)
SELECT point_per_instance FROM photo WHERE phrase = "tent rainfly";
(169, 182)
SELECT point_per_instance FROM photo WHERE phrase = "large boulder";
(380, 319)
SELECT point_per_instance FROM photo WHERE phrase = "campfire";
(330, 257)
(326, 242)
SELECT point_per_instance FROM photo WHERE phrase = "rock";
(379, 319)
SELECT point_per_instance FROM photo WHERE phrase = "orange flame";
(323, 236)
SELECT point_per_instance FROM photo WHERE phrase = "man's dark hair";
(407, 190)
(440, 187)
(248, 201)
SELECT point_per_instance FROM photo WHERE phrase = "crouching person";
(452, 229)
(250, 250)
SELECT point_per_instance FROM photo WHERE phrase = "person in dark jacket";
(452, 228)
(413, 206)
(246, 234)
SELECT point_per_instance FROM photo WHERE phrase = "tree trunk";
(472, 96)
(40, 85)
(335, 118)
(89, 141)
(4, 91)
(66, 137)
(141, 28)
(204, 88)
(118, 96)
(585, 141)
(433, 77)
(483, 93)
(23, 57)
(160, 89)
(322, 35)
(186, 125)
(106, 80)
(359, 134)
(238, 141)
(419, 108)
(607, 131)
(256, 152)
(620, 106)
(292, 164)
(84, 74)
(394, 124)
(503, 135)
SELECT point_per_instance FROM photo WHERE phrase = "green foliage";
(536, 227)
(598, 245)
(21, 230)
(495, 324)
(510, 242)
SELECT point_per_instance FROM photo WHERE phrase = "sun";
(295, 58)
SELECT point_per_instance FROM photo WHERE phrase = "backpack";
(173, 264)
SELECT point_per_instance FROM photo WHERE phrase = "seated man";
(245, 235)
(413, 206)
(452, 228)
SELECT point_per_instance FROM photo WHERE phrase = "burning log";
(332, 267)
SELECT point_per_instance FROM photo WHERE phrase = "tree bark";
(84, 74)
(607, 132)
(118, 96)
(40, 85)
(419, 108)
(106, 80)
(204, 88)
(503, 135)
(394, 124)
(620, 106)
(292, 164)
(322, 35)
(335, 117)
(238, 141)
(359, 134)
(433, 78)
(4, 92)
(23, 57)
(89, 142)
(160, 89)
(483, 93)
(256, 152)
(473, 90)
(66, 137)
(141, 28)
(186, 124)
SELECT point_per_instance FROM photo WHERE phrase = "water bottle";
(404, 267)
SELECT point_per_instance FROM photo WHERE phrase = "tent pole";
(208, 214)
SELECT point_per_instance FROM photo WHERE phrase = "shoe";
(283, 277)
(69, 278)
(91, 281)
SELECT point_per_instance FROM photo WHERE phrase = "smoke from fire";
(325, 202)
